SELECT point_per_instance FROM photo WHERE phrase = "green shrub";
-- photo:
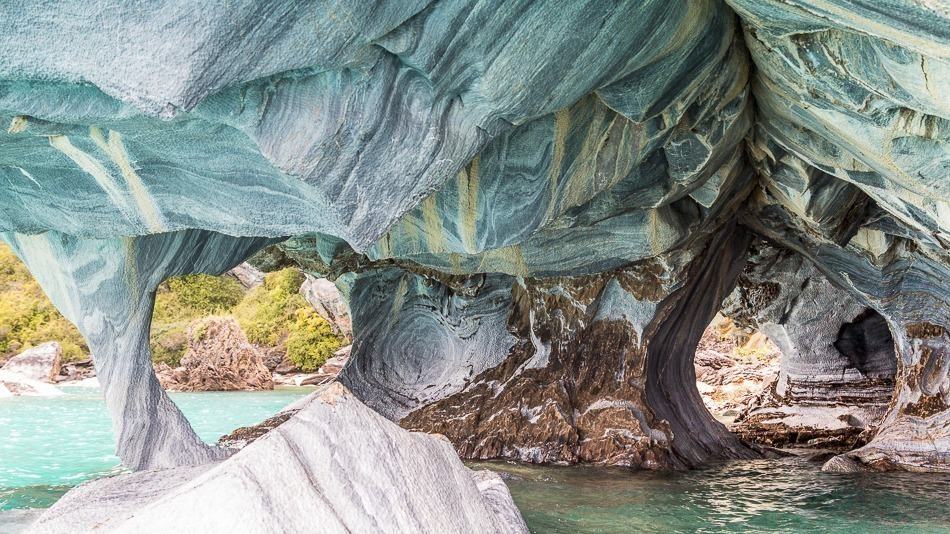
(310, 340)
(196, 295)
(275, 314)
(27, 317)
(268, 310)
(271, 315)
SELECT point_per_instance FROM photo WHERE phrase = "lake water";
(48, 445)
(785, 495)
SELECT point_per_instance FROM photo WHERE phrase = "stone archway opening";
(867, 344)
(734, 365)
(781, 373)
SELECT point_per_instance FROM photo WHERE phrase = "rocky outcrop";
(732, 368)
(249, 276)
(31, 371)
(480, 180)
(42, 362)
(837, 356)
(330, 369)
(15, 384)
(219, 358)
(851, 137)
(298, 475)
(77, 371)
(325, 298)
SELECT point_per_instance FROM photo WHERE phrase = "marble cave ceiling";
(484, 147)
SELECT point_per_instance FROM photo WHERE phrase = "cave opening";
(817, 384)
(867, 343)
(734, 364)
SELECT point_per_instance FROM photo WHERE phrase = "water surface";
(49, 444)
(785, 495)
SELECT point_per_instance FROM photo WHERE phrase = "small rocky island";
(532, 213)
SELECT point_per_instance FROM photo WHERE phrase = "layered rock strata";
(837, 363)
(733, 366)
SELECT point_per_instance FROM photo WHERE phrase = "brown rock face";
(219, 358)
(593, 369)
(580, 398)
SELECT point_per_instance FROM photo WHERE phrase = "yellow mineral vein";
(147, 207)
(562, 124)
(93, 168)
(433, 225)
(468, 205)
(18, 124)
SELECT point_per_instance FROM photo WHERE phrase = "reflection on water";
(48, 445)
(786, 495)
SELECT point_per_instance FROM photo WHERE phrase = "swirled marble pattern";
(106, 287)
(453, 163)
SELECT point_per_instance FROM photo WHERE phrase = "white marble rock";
(336, 466)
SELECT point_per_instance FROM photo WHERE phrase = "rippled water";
(48, 445)
(786, 495)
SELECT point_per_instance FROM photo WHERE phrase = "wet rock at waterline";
(32, 372)
(518, 198)
(298, 477)
(106, 287)
(15, 384)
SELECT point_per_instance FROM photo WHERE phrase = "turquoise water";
(786, 495)
(49, 444)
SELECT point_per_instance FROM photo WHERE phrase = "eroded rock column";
(551, 370)
(106, 287)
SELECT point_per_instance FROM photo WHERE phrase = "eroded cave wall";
(837, 364)
(485, 178)
(851, 137)
(550, 370)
